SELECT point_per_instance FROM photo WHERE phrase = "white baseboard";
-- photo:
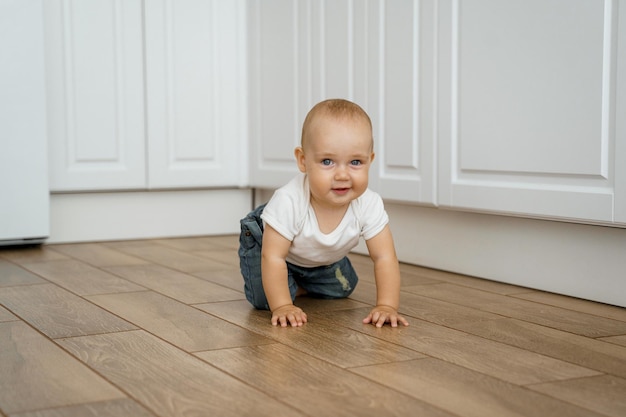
(578, 260)
(85, 217)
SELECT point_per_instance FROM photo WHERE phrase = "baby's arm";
(274, 274)
(387, 274)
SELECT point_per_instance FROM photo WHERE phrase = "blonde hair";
(336, 108)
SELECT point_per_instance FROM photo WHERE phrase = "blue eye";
(326, 162)
(356, 162)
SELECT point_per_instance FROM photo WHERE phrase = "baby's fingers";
(293, 318)
(378, 318)
(297, 319)
(402, 320)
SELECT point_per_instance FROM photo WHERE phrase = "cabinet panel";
(95, 94)
(274, 40)
(527, 107)
(406, 118)
(339, 51)
(195, 93)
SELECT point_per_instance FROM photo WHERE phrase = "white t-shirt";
(290, 213)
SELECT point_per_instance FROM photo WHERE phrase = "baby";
(297, 243)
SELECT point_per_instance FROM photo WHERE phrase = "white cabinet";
(512, 108)
(145, 95)
(527, 108)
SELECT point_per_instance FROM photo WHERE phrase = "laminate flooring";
(162, 328)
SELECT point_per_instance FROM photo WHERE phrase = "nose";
(341, 172)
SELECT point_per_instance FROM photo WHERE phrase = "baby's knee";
(258, 302)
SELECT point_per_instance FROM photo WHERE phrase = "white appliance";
(24, 191)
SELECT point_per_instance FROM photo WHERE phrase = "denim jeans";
(337, 280)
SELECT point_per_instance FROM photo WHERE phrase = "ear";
(372, 156)
(299, 154)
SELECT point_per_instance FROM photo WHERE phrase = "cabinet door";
(527, 117)
(278, 93)
(94, 65)
(404, 93)
(195, 93)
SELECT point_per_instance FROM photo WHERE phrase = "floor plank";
(202, 243)
(576, 304)
(6, 315)
(313, 305)
(583, 351)
(464, 392)
(464, 280)
(171, 258)
(227, 241)
(618, 340)
(186, 327)
(314, 386)
(36, 373)
(496, 359)
(97, 254)
(228, 278)
(21, 254)
(169, 382)
(440, 312)
(604, 393)
(178, 285)
(58, 313)
(549, 316)
(81, 278)
(11, 275)
(228, 257)
(339, 346)
(113, 408)
(429, 309)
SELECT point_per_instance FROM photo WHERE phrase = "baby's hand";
(288, 314)
(384, 314)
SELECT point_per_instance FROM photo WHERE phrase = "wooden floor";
(162, 328)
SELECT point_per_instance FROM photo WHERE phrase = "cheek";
(361, 179)
(360, 175)
(318, 180)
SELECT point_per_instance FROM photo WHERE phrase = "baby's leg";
(332, 281)
(250, 241)
(250, 244)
